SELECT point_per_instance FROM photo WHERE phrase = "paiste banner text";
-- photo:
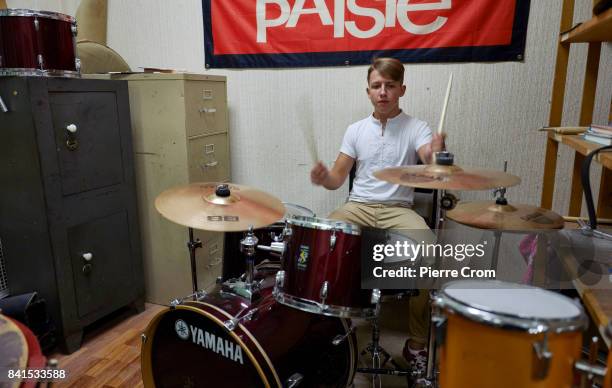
(248, 27)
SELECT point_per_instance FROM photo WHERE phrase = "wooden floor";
(110, 354)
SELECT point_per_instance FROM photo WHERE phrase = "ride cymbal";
(435, 176)
(219, 207)
(490, 215)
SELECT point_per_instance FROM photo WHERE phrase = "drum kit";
(287, 322)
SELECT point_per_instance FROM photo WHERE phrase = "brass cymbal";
(434, 176)
(489, 215)
(203, 206)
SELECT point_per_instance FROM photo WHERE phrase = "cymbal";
(489, 215)
(204, 206)
(434, 176)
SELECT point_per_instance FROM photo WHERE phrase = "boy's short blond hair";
(387, 67)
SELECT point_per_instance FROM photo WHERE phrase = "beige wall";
(493, 115)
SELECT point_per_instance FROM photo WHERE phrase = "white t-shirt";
(374, 149)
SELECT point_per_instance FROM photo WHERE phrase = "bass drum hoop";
(329, 310)
(146, 351)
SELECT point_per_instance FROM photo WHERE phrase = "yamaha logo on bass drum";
(203, 338)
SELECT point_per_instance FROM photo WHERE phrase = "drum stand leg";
(495, 257)
(193, 245)
(379, 358)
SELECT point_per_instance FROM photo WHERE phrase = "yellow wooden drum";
(498, 334)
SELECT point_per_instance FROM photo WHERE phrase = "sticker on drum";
(507, 335)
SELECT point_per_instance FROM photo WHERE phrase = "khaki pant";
(383, 216)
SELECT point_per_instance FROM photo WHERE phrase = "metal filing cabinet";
(181, 135)
(68, 214)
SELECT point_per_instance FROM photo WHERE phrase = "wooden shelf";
(597, 29)
(584, 147)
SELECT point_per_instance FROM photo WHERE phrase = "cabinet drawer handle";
(208, 110)
(214, 163)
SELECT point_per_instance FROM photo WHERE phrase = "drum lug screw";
(323, 292)
(332, 240)
(375, 297)
(294, 380)
(340, 338)
(280, 281)
(541, 361)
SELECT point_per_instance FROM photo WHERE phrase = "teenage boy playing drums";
(387, 138)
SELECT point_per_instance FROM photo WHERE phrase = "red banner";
(279, 32)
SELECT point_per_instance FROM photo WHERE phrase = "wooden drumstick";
(305, 118)
(448, 89)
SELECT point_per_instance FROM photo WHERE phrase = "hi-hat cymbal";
(434, 176)
(229, 209)
(517, 217)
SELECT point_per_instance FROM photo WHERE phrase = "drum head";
(325, 224)
(292, 210)
(512, 300)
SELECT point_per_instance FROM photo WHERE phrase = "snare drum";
(321, 269)
(224, 340)
(501, 334)
(37, 43)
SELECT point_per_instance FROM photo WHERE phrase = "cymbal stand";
(500, 200)
(447, 202)
(192, 246)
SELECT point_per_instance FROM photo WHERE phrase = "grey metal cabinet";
(68, 213)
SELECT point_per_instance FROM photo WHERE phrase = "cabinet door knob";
(214, 163)
(87, 269)
(71, 141)
(87, 256)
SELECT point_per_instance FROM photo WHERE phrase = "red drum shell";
(274, 344)
(310, 261)
(21, 43)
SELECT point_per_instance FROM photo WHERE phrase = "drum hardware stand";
(379, 356)
(448, 201)
(192, 246)
(589, 369)
(246, 286)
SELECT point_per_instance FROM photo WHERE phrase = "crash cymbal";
(490, 215)
(219, 207)
(434, 176)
